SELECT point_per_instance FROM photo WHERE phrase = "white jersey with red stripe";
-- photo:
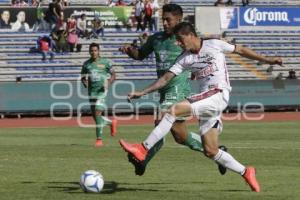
(208, 66)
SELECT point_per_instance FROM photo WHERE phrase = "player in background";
(163, 45)
(97, 75)
(206, 60)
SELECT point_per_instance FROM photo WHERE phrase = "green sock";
(154, 150)
(193, 141)
(100, 123)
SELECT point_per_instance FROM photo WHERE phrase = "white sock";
(225, 159)
(160, 131)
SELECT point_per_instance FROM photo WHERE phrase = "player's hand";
(125, 49)
(134, 95)
(84, 83)
(276, 61)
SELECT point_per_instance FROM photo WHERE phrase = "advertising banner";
(269, 16)
(229, 17)
(26, 19)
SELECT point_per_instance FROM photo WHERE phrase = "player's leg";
(210, 144)
(209, 110)
(183, 137)
(139, 151)
(98, 106)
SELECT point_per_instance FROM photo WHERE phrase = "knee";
(210, 152)
(98, 113)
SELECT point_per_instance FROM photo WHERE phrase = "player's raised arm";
(131, 52)
(249, 53)
(161, 82)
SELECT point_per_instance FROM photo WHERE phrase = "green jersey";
(98, 72)
(166, 51)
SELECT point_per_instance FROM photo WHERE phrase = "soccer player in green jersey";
(97, 75)
(164, 46)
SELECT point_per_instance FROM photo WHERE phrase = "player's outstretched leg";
(140, 167)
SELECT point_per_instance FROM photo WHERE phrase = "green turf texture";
(46, 164)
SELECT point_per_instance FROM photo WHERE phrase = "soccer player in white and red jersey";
(206, 60)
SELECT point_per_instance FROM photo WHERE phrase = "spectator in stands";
(65, 3)
(279, 76)
(5, 20)
(73, 41)
(155, 15)
(20, 24)
(97, 27)
(139, 10)
(148, 15)
(110, 3)
(219, 3)
(60, 38)
(121, 3)
(19, 3)
(71, 24)
(245, 2)
(40, 24)
(229, 3)
(58, 9)
(81, 27)
(270, 69)
(45, 46)
(292, 74)
(35, 3)
(50, 16)
(60, 23)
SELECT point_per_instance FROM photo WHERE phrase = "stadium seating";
(17, 61)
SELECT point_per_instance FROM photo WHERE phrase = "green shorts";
(98, 99)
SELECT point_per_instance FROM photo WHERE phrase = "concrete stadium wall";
(71, 96)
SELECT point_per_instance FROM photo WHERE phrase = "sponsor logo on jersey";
(163, 55)
(101, 65)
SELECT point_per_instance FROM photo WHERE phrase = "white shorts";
(208, 107)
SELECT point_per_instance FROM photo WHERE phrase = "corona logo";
(253, 15)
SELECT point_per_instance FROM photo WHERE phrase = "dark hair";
(173, 8)
(184, 28)
(94, 45)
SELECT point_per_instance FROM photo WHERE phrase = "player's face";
(94, 52)
(185, 41)
(170, 21)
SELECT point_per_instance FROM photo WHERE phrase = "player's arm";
(161, 82)
(84, 76)
(84, 81)
(131, 52)
(249, 53)
(112, 77)
(138, 53)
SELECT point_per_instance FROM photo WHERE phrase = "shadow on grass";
(110, 187)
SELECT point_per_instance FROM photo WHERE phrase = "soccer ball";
(91, 181)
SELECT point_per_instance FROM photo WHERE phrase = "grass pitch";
(46, 164)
